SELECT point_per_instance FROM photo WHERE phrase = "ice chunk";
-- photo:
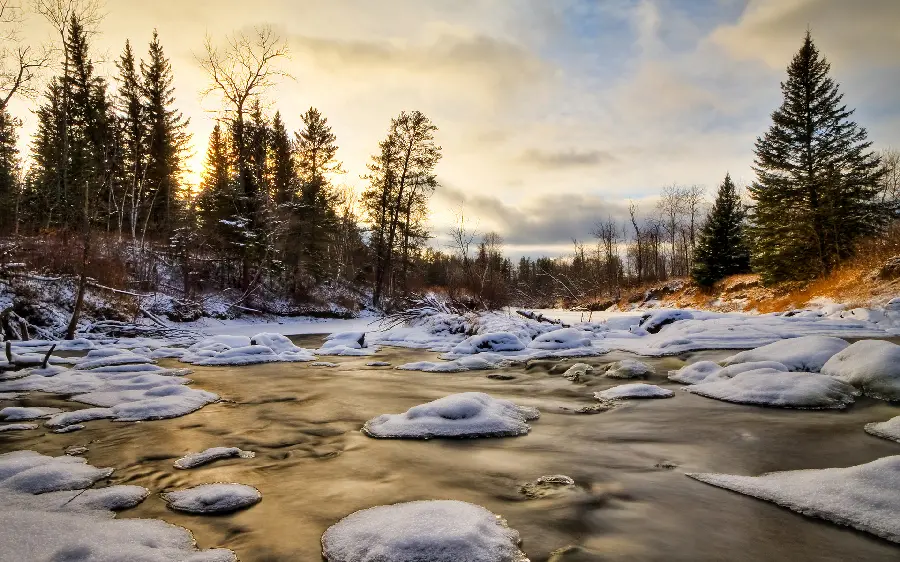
(432, 531)
(16, 413)
(634, 390)
(628, 369)
(566, 338)
(707, 371)
(213, 498)
(873, 366)
(18, 427)
(865, 497)
(886, 430)
(498, 341)
(194, 460)
(469, 414)
(770, 387)
(806, 353)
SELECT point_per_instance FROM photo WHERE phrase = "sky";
(552, 115)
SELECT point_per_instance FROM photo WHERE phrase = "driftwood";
(538, 317)
(47, 356)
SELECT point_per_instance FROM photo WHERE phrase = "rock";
(547, 486)
(890, 269)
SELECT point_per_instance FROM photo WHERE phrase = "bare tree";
(671, 208)
(19, 63)
(890, 181)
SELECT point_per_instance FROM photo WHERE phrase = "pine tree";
(167, 139)
(721, 250)
(45, 199)
(10, 187)
(284, 174)
(217, 198)
(134, 133)
(817, 180)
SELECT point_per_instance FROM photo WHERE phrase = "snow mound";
(707, 371)
(497, 341)
(468, 414)
(378, 364)
(194, 460)
(32, 473)
(419, 531)
(16, 413)
(478, 362)
(653, 322)
(806, 353)
(886, 430)
(873, 366)
(628, 369)
(566, 338)
(58, 524)
(346, 343)
(634, 390)
(865, 497)
(213, 498)
(770, 387)
(18, 427)
(75, 417)
(225, 350)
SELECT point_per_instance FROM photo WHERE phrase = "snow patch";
(634, 390)
(213, 498)
(873, 366)
(771, 387)
(807, 353)
(194, 460)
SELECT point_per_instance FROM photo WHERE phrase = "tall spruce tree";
(134, 133)
(167, 139)
(817, 180)
(721, 250)
(10, 188)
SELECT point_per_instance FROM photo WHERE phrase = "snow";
(346, 343)
(18, 427)
(69, 428)
(499, 341)
(15, 413)
(566, 338)
(468, 414)
(707, 371)
(228, 350)
(628, 369)
(10, 395)
(771, 387)
(68, 419)
(653, 322)
(213, 498)
(870, 365)
(323, 364)
(481, 361)
(634, 390)
(378, 364)
(65, 522)
(433, 531)
(886, 430)
(865, 497)
(194, 460)
(806, 353)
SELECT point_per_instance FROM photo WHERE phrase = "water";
(313, 466)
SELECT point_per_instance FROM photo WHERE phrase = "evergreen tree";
(217, 199)
(10, 187)
(45, 199)
(316, 150)
(167, 139)
(817, 180)
(134, 133)
(721, 250)
(284, 174)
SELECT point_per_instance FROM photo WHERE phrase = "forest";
(102, 196)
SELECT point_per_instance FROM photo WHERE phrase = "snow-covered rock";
(806, 353)
(886, 430)
(578, 372)
(17, 413)
(865, 497)
(432, 531)
(547, 486)
(18, 427)
(497, 341)
(465, 363)
(194, 460)
(771, 387)
(32, 473)
(707, 371)
(213, 498)
(628, 369)
(634, 390)
(873, 366)
(654, 321)
(566, 338)
(469, 414)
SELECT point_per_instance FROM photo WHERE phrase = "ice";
(771, 387)
(17, 413)
(806, 353)
(69, 428)
(18, 427)
(75, 417)
(566, 338)
(419, 531)
(499, 341)
(65, 522)
(323, 364)
(628, 369)
(10, 395)
(887, 430)
(212, 454)
(213, 498)
(865, 497)
(634, 390)
(31, 473)
(707, 371)
(378, 364)
(247, 355)
(468, 414)
(873, 366)
(465, 363)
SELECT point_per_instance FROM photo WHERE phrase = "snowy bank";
(771, 387)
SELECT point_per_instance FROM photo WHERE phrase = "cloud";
(567, 158)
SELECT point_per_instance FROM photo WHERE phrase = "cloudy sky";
(552, 113)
